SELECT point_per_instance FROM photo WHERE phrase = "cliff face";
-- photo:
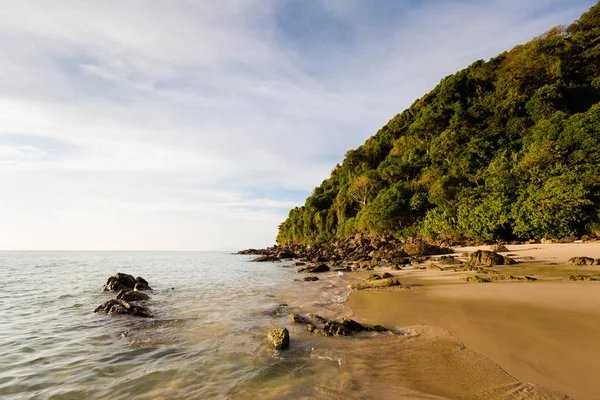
(502, 150)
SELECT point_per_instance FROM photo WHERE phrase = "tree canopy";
(504, 149)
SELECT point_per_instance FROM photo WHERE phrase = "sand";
(545, 332)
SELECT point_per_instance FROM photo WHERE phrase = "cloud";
(196, 125)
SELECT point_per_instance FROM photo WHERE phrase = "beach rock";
(312, 269)
(477, 279)
(132, 295)
(286, 254)
(448, 260)
(119, 281)
(265, 259)
(115, 306)
(499, 248)
(421, 249)
(376, 281)
(310, 279)
(581, 261)
(279, 338)
(484, 257)
(141, 284)
(298, 319)
(582, 278)
(299, 264)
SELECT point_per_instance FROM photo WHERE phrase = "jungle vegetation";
(502, 150)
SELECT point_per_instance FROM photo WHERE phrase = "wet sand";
(544, 332)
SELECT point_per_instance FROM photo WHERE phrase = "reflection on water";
(208, 338)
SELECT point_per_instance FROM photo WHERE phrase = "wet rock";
(313, 269)
(132, 295)
(581, 261)
(298, 319)
(115, 306)
(299, 264)
(310, 279)
(343, 269)
(265, 259)
(499, 248)
(119, 281)
(485, 257)
(279, 338)
(141, 284)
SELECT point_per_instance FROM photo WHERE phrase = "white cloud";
(163, 125)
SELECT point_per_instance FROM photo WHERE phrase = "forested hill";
(502, 150)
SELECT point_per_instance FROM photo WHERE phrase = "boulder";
(115, 306)
(286, 254)
(265, 259)
(132, 295)
(314, 268)
(488, 258)
(119, 281)
(279, 338)
(499, 248)
(581, 261)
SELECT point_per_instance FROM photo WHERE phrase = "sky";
(197, 125)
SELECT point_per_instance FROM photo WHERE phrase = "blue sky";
(197, 125)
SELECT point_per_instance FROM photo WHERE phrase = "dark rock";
(119, 281)
(122, 307)
(315, 268)
(298, 319)
(141, 284)
(299, 264)
(310, 279)
(484, 257)
(253, 252)
(279, 338)
(286, 254)
(581, 261)
(265, 259)
(132, 295)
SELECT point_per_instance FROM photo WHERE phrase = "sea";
(208, 335)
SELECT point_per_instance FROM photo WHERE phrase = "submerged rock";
(310, 279)
(298, 319)
(279, 338)
(581, 261)
(485, 257)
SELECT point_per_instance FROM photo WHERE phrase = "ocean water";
(207, 339)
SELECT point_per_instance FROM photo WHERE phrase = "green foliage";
(504, 149)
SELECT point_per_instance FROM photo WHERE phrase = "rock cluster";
(353, 248)
(345, 327)
(130, 290)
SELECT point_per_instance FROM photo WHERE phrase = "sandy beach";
(543, 332)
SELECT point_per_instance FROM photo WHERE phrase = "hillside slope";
(505, 149)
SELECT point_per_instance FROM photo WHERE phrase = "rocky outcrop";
(279, 338)
(488, 258)
(120, 281)
(115, 306)
(130, 290)
(313, 269)
(583, 261)
(354, 248)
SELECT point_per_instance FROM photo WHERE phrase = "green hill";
(502, 150)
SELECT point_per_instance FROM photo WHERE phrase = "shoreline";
(541, 332)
